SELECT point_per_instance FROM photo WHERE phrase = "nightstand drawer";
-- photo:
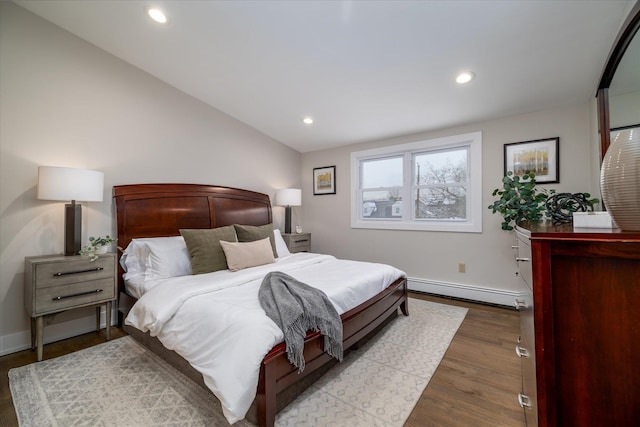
(56, 298)
(298, 242)
(77, 271)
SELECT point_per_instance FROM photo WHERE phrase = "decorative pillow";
(156, 258)
(281, 246)
(248, 254)
(204, 248)
(251, 233)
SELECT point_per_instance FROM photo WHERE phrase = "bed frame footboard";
(276, 373)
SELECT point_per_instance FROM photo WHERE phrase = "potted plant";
(519, 199)
(98, 245)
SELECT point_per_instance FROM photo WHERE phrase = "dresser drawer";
(55, 298)
(76, 271)
(524, 260)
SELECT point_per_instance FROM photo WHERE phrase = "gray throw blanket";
(297, 308)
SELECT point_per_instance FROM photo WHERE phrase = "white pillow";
(134, 260)
(247, 254)
(157, 258)
(281, 246)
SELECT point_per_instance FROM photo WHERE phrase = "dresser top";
(543, 230)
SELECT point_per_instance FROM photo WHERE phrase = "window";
(427, 185)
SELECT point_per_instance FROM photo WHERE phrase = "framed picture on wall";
(324, 180)
(540, 156)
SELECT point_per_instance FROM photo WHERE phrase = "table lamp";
(288, 197)
(63, 184)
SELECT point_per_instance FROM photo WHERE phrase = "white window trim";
(473, 224)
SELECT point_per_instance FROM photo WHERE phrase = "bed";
(162, 210)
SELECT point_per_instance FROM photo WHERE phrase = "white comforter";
(216, 323)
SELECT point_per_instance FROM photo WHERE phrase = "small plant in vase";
(98, 245)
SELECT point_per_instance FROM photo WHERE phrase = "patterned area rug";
(121, 383)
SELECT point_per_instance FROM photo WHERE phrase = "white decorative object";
(102, 249)
(593, 220)
(298, 229)
(620, 179)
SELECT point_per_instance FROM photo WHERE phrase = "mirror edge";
(626, 34)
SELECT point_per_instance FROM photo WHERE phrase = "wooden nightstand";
(55, 283)
(297, 242)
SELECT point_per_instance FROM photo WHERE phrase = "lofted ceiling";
(364, 70)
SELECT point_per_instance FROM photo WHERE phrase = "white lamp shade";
(289, 197)
(56, 183)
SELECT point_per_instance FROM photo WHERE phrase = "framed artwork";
(324, 180)
(540, 156)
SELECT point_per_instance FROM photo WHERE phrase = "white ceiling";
(364, 70)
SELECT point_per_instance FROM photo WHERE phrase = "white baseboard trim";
(19, 341)
(470, 292)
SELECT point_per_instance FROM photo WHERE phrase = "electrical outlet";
(462, 268)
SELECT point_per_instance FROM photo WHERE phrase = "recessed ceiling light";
(157, 15)
(307, 121)
(465, 77)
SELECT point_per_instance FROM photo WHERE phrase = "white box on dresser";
(593, 220)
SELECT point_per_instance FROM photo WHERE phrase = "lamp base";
(287, 219)
(72, 228)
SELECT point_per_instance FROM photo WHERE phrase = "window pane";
(382, 204)
(382, 173)
(420, 185)
(440, 167)
(441, 203)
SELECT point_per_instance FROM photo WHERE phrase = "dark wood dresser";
(586, 309)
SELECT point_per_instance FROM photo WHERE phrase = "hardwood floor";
(476, 384)
(479, 378)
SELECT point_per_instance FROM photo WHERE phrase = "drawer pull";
(524, 401)
(97, 291)
(66, 273)
(521, 259)
(301, 241)
(515, 247)
(521, 351)
(520, 304)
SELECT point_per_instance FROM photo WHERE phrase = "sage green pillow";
(205, 252)
(251, 233)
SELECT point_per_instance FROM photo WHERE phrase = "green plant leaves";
(519, 199)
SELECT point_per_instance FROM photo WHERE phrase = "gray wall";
(433, 257)
(66, 103)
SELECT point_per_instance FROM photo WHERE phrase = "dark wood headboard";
(158, 210)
